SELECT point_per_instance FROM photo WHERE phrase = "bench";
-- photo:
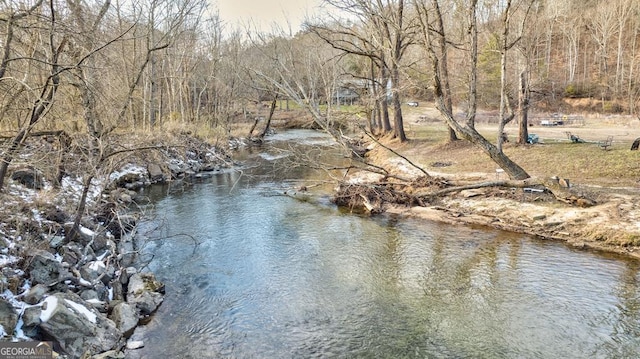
(604, 145)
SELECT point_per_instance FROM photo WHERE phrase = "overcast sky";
(263, 13)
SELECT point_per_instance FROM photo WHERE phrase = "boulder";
(125, 317)
(155, 173)
(100, 243)
(31, 322)
(93, 270)
(35, 294)
(145, 292)
(117, 290)
(8, 318)
(28, 177)
(71, 253)
(126, 251)
(56, 242)
(79, 329)
(45, 269)
(54, 214)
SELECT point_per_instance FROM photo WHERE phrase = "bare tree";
(383, 35)
(466, 130)
(47, 89)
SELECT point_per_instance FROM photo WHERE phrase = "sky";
(264, 13)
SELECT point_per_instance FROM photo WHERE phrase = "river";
(251, 273)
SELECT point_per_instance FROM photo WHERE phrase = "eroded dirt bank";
(612, 224)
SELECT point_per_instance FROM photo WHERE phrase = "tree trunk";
(523, 110)
(271, 111)
(398, 129)
(386, 123)
(444, 67)
(70, 236)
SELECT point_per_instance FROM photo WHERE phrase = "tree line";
(103, 66)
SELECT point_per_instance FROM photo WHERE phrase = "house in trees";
(349, 92)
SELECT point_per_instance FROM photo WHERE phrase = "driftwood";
(370, 197)
(554, 185)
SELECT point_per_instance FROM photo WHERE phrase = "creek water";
(251, 273)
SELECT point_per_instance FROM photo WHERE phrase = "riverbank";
(611, 225)
(86, 290)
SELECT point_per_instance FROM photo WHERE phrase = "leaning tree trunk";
(271, 111)
(511, 168)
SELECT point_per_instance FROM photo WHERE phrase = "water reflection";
(278, 278)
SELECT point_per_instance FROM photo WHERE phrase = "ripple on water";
(274, 277)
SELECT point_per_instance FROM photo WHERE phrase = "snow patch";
(128, 169)
(7, 259)
(81, 309)
(96, 266)
(72, 190)
(36, 215)
(87, 231)
(52, 304)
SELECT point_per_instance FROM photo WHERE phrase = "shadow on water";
(273, 277)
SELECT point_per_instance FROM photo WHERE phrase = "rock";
(127, 253)
(111, 354)
(135, 344)
(155, 173)
(55, 214)
(100, 243)
(35, 294)
(539, 217)
(78, 328)
(145, 292)
(71, 253)
(126, 275)
(89, 294)
(125, 317)
(11, 279)
(8, 317)
(45, 269)
(117, 290)
(93, 270)
(56, 242)
(31, 317)
(28, 177)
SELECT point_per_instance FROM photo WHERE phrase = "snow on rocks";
(83, 291)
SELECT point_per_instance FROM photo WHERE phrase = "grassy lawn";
(583, 163)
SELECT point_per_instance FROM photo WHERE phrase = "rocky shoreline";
(88, 292)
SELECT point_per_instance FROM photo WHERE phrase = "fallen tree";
(423, 191)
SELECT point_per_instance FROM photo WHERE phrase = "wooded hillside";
(101, 66)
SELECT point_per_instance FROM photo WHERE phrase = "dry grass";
(584, 163)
